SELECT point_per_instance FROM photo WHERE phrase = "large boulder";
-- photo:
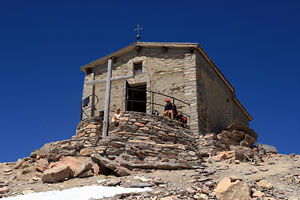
(77, 165)
(236, 135)
(247, 152)
(106, 163)
(267, 148)
(228, 138)
(248, 140)
(244, 128)
(233, 189)
(41, 165)
(58, 173)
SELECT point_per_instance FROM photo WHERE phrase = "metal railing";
(92, 106)
(83, 107)
(152, 102)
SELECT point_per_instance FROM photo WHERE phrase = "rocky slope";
(149, 151)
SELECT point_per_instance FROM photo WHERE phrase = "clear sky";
(255, 44)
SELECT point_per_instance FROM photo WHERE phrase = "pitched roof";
(195, 46)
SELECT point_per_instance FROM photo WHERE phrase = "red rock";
(24, 178)
(42, 165)
(139, 124)
(39, 169)
(77, 165)
(86, 151)
(169, 198)
(91, 126)
(210, 136)
(81, 134)
(220, 157)
(85, 174)
(19, 163)
(26, 171)
(232, 155)
(258, 194)
(116, 144)
(144, 128)
(95, 168)
(51, 165)
(232, 189)
(57, 173)
(4, 190)
(265, 184)
(24, 165)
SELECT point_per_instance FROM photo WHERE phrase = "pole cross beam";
(108, 81)
(107, 99)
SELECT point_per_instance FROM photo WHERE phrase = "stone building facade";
(148, 71)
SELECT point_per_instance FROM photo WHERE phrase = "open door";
(126, 95)
(135, 97)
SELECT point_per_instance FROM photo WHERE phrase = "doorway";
(135, 98)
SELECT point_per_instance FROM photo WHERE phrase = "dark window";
(138, 68)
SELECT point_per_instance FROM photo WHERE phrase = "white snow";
(78, 193)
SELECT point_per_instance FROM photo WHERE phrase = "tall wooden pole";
(107, 99)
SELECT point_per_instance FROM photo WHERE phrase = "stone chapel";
(144, 74)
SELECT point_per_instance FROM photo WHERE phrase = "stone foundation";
(143, 141)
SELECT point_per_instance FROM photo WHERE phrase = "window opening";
(138, 68)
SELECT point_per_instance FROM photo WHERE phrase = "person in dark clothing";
(170, 109)
(101, 115)
(179, 117)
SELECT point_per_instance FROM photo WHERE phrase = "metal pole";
(81, 111)
(107, 99)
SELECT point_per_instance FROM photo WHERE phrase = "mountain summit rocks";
(141, 141)
(164, 155)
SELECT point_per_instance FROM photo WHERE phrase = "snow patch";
(78, 193)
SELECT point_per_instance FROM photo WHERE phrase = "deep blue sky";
(43, 44)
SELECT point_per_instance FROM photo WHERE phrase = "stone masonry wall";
(216, 100)
(140, 141)
(162, 72)
(181, 73)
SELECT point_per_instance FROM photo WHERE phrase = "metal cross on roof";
(138, 31)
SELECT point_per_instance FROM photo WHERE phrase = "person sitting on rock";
(170, 109)
(116, 117)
